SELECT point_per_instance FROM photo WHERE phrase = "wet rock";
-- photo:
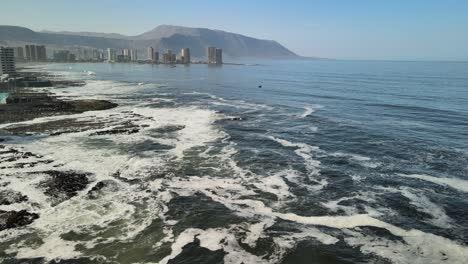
(55, 128)
(168, 129)
(118, 175)
(64, 185)
(13, 219)
(10, 155)
(8, 197)
(115, 131)
(67, 83)
(49, 106)
(19, 159)
(107, 185)
(235, 118)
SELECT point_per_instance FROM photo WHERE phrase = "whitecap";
(309, 109)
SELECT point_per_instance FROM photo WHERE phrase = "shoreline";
(27, 103)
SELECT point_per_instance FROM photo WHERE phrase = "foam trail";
(423, 204)
(430, 248)
(454, 183)
(303, 150)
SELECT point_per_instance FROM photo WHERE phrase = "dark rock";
(57, 127)
(107, 185)
(168, 129)
(10, 197)
(13, 219)
(115, 131)
(64, 185)
(47, 106)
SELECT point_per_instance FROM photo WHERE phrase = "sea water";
(265, 162)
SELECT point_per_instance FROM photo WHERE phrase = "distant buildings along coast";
(214, 55)
(40, 53)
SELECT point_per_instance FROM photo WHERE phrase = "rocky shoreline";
(50, 107)
(27, 104)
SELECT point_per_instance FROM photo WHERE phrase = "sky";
(339, 29)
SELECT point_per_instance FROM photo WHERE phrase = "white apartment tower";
(133, 55)
(111, 55)
(211, 55)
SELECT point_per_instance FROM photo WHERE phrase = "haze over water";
(327, 161)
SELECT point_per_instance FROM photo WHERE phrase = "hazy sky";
(346, 29)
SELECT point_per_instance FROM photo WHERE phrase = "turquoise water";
(3, 96)
(326, 162)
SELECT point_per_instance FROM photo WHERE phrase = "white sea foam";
(48, 249)
(134, 207)
(214, 239)
(309, 109)
(303, 150)
(197, 125)
(425, 247)
(234, 103)
(455, 183)
(361, 160)
(423, 204)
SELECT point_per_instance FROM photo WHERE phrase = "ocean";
(266, 162)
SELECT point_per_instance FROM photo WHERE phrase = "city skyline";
(38, 53)
(337, 29)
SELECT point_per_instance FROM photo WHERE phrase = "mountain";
(9, 35)
(165, 31)
(161, 38)
(88, 34)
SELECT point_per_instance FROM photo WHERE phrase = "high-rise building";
(125, 56)
(156, 56)
(185, 55)
(41, 53)
(111, 55)
(31, 54)
(211, 55)
(64, 56)
(133, 55)
(219, 56)
(150, 54)
(19, 53)
(214, 55)
(169, 57)
(126, 52)
(7, 61)
(96, 55)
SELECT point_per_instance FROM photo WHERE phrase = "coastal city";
(233, 132)
(11, 79)
(38, 53)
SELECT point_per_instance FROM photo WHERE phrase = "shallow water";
(327, 162)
